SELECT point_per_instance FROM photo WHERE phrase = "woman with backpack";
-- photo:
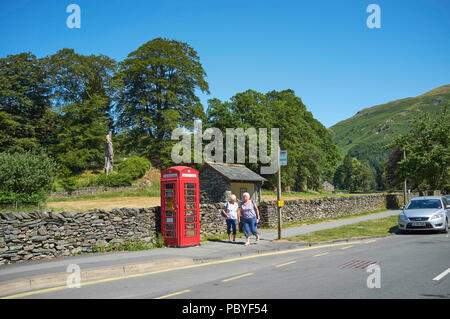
(250, 218)
(231, 213)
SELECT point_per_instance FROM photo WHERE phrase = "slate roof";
(235, 172)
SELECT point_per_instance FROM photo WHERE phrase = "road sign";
(283, 158)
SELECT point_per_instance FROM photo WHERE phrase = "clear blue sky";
(322, 50)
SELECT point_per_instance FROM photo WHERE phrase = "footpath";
(32, 275)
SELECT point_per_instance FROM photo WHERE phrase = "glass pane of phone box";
(190, 233)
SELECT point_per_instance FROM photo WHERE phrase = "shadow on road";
(226, 242)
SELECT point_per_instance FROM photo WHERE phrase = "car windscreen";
(424, 203)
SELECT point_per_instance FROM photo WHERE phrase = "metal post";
(279, 196)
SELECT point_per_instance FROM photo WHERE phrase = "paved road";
(408, 265)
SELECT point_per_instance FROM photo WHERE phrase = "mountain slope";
(365, 134)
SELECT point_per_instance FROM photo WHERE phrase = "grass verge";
(323, 220)
(370, 228)
(153, 191)
(129, 246)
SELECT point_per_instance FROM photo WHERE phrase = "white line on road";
(322, 254)
(285, 264)
(174, 294)
(237, 277)
(442, 274)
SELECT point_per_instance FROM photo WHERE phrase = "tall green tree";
(354, 176)
(24, 103)
(82, 94)
(81, 137)
(427, 147)
(312, 155)
(158, 94)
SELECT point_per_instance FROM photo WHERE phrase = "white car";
(425, 213)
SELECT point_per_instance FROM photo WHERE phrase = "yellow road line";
(288, 263)
(237, 277)
(222, 261)
(347, 247)
(174, 294)
(322, 254)
(370, 241)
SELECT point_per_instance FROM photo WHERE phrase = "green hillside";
(365, 134)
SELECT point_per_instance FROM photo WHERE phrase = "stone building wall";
(213, 187)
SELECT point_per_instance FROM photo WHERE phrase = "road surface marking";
(322, 254)
(174, 294)
(222, 261)
(237, 277)
(442, 274)
(347, 247)
(285, 264)
(370, 241)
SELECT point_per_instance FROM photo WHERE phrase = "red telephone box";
(180, 211)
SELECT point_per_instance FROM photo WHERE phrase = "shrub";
(25, 177)
(135, 167)
(69, 183)
(127, 171)
(113, 180)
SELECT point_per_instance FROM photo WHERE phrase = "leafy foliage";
(113, 180)
(354, 176)
(82, 137)
(82, 91)
(312, 154)
(127, 171)
(24, 103)
(69, 183)
(158, 83)
(427, 147)
(135, 167)
(25, 177)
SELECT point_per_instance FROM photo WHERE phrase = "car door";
(446, 204)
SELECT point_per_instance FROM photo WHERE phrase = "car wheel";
(445, 231)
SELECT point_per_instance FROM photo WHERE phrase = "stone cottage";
(219, 180)
(327, 186)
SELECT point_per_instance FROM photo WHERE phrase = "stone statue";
(109, 154)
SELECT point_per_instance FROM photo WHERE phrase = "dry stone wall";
(298, 210)
(45, 234)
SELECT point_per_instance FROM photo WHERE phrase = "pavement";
(147, 274)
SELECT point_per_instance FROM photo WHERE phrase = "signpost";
(282, 161)
(283, 158)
